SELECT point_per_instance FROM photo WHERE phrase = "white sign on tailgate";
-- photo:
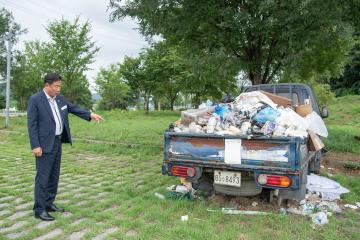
(227, 178)
(232, 151)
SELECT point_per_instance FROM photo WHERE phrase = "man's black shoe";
(54, 208)
(45, 216)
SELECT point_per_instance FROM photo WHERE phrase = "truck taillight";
(182, 171)
(274, 180)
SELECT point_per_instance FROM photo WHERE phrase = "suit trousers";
(47, 177)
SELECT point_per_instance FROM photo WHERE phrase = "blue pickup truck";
(200, 157)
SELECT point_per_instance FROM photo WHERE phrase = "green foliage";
(28, 70)
(7, 26)
(211, 76)
(323, 93)
(69, 53)
(165, 71)
(112, 88)
(134, 73)
(2, 101)
(165, 64)
(323, 61)
(349, 82)
(72, 51)
(267, 38)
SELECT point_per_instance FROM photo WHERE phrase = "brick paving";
(83, 194)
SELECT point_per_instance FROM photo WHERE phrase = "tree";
(29, 67)
(266, 37)
(349, 82)
(211, 75)
(113, 89)
(7, 26)
(165, 63)
(139, 78)
(72, 51)
(69, 52)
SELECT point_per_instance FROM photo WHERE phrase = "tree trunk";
(159, 105)
(22, 103)
(147, 104)
(196, 100)
(172, 105)
(156, 102)
(255, 78)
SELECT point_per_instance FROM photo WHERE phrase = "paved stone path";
(91, 210)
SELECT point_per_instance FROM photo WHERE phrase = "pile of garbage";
(320, 201)
(183, 191)
(251, 114)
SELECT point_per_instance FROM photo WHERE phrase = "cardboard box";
(281, 101)
(315, 143)
(303, 110)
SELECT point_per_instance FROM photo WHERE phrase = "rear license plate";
(227, 178)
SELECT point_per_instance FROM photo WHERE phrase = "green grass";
(352, 183)
(343, 124)
(129, 176)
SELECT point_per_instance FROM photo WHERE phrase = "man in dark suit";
(48, 127)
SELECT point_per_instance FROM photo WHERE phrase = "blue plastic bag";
(265, 115)
(220, 110)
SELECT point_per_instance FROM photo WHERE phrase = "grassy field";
(110, 174)
(343, 124)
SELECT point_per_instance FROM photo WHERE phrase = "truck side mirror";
(324, 112)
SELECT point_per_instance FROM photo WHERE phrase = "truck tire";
(315, 163)
(205, 184)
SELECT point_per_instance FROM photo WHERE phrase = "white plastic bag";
(329, 189)
(251, 99)
(289, 118)
(320, 218)
(316, 124)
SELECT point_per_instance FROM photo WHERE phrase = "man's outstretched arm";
(82, 113)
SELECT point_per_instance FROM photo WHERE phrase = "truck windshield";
(294, 98)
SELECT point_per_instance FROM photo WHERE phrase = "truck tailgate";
(280, 154)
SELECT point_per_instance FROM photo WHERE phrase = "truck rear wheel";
(205, 184)
(315, 163)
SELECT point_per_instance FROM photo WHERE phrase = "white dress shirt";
(56, 113)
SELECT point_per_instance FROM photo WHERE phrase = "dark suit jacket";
(41, 123)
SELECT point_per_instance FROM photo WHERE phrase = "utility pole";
(8, 68)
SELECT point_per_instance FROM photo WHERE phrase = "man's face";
(53, 89)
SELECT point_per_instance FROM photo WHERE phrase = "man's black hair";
(52, 77)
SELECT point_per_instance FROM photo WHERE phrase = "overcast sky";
(114, 39)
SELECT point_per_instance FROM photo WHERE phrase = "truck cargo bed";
(281, 154)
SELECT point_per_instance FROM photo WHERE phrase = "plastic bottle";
(159, 196)
(211, 125)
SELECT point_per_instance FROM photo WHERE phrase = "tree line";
(207, 49)
(69, 52)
